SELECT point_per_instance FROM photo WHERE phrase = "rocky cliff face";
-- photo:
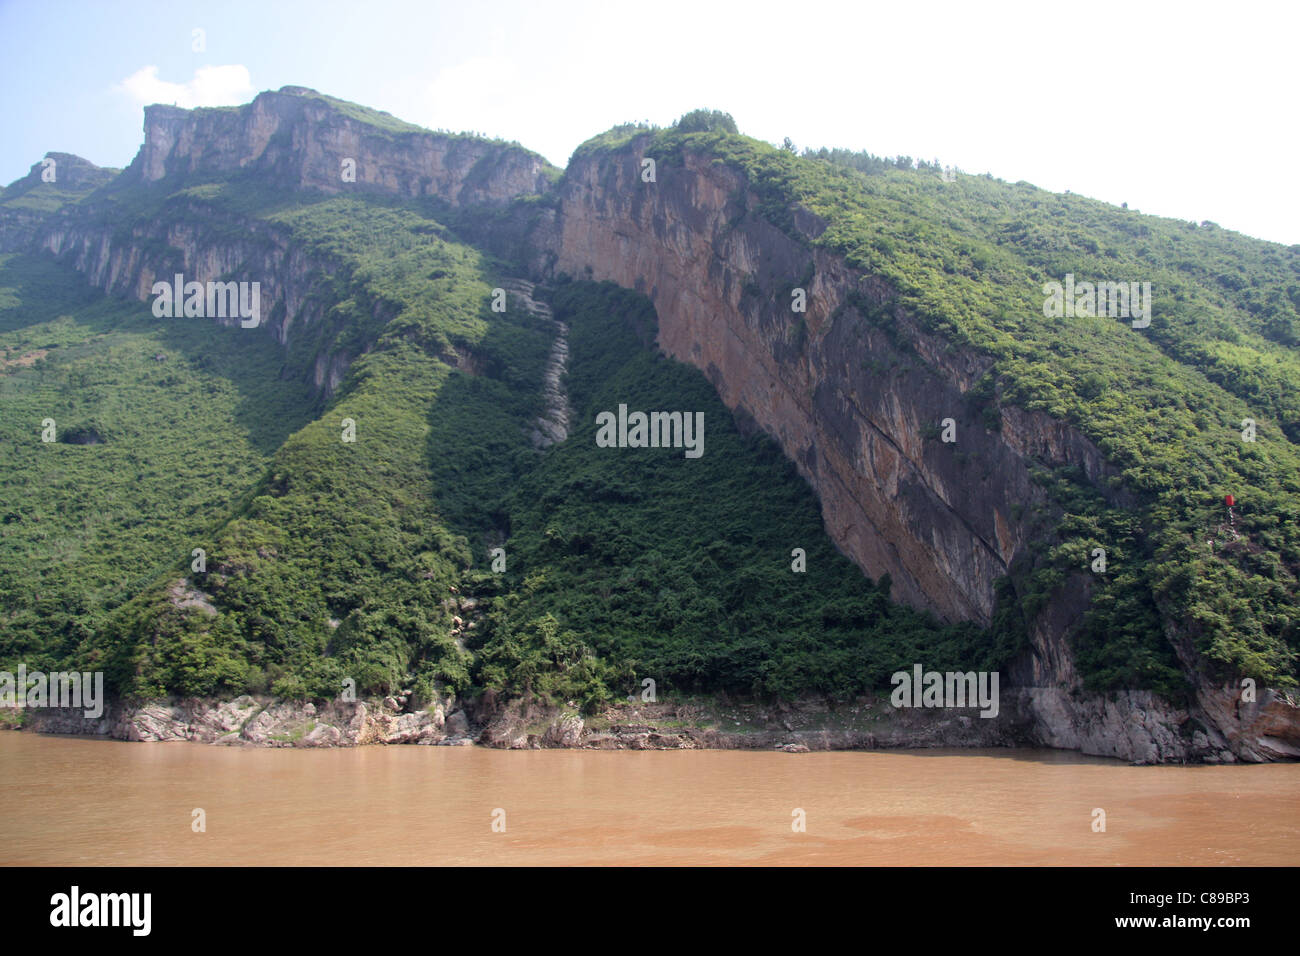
(301, 140)
(857, 404)
(857, 408)
(293, 138)
(206, 246)
(19, 229)
(252, 722)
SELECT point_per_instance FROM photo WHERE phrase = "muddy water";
(77, 802)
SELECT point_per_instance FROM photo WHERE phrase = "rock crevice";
(552, 426)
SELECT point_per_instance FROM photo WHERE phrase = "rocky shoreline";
(1133, 726)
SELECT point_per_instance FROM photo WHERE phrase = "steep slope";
(444, 428)
(334, 560)
(899, 340)
(155, 428)
(701, 573)
(59, 180)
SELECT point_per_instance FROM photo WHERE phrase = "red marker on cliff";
(1229, 500)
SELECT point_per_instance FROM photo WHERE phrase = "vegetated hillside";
(337, 563)
(323, 557)
(341, 558)
(1166, 404)
(328, 558)
(59, 179)
(626, 563)
(158, 425)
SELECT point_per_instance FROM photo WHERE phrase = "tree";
(707, 121)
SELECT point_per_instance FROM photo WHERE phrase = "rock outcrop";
(250, 722)
(26, 203)
(552, 426)
(298, 139)
(1135, 726)
(204, 245)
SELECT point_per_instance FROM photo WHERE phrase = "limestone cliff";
(204, 246)
(851, 404)
(301, 140)
(856, 403)
(293, 138)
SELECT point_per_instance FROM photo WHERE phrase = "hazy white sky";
(1180, 109)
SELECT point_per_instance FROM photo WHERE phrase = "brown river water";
(69, 801)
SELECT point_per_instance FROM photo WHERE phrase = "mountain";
(397, 475)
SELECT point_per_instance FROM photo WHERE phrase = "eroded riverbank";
(1134, 726)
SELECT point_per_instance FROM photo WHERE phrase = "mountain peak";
(55, 179)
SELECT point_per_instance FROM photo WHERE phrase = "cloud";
(211, 86)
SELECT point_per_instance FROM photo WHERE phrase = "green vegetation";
(339, 559)
(1164, 404)
(324, 558)
(336, 563)
(189, 414)
(612, 139)
(74, 180)
(631, 563)
(380, 119)
(706, 121)
(328, 558)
